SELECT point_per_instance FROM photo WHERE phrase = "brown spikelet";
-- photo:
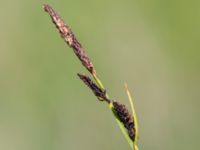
(125, 117)
(69, 38)
(99, 93)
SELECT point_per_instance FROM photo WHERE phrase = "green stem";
(135, 147)
(99, 83)
(133, 112)
(121, 126)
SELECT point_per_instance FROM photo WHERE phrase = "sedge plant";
(126, 121)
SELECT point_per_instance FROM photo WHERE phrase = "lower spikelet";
(125, 117)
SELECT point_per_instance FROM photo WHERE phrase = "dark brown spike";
(70, 38)
(98, 92)
(125, 117)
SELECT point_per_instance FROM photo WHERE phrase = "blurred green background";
(152, 45)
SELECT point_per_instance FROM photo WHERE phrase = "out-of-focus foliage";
(152, 45)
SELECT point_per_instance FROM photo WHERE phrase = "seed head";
(125, 117)
(69, 38)
(98, 92)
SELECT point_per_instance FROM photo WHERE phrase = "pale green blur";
(153, 45)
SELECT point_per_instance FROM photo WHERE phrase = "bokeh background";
(152, 45)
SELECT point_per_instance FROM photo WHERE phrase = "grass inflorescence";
(126, 121)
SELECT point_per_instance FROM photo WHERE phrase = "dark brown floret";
(125, 117)
(69, 38)
(96, 90)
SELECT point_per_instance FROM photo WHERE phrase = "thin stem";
(121, 126)
(97, 80)
(136, 147)
(133, 111)
(99, 83)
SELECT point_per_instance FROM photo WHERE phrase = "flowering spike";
(99, 93)
(70, 38)
(125, 117)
